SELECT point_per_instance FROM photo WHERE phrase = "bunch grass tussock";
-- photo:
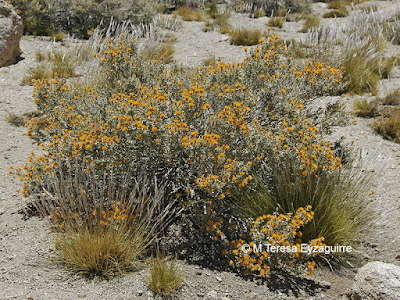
(102, 228)
(388, 125)
(165, 277)
(311, 23)
(276, 22)
(366, 109)
(245, 37)
(190, 14)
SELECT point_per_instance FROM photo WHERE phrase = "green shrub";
(311, 23)
(164, 276)
(213, 9)
(59, 36)
(366, 109)
(338, 200)
(245, 37)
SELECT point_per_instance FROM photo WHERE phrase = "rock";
(324, 284)
(2, 211)
(11, 30)
(377, 280)
(139, 292)
(212, 294)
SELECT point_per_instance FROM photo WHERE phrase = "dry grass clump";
(311, 23)
(17, 121)
(190, 14)
(53, 64)
(366, 109)
(245, 37)
(338, 200)
(165, 277)
(339, 5)
(335, 14)
(220, 22)
(259, 13)
(163, 52)
(103, 227)
(388, 126)
(392, 98)
(276, 22)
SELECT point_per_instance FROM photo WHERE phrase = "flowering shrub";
(208, 133)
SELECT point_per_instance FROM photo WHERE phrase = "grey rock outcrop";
(377, 280)
(11, 30)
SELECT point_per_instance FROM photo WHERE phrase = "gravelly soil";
(27, 267)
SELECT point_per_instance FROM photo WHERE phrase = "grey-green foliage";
(80, 17)
(271, 6)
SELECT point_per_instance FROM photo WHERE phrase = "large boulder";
(377, 280)
(11, 30)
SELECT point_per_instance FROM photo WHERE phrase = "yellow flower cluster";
(274, 231)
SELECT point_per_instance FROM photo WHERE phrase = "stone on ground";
(11, 30)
